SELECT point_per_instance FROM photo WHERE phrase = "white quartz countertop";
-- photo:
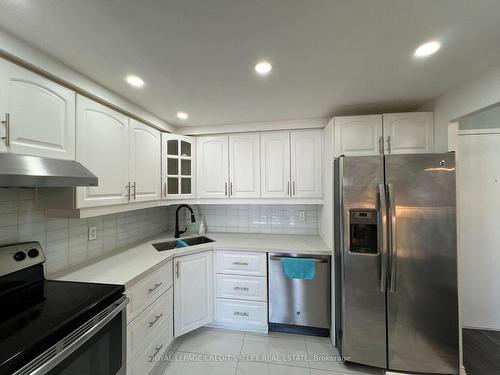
(127, 266)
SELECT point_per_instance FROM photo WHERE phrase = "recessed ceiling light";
(182, 115)
(134, 81)
(427, 49)
(263, 68)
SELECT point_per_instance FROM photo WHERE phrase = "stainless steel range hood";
(32, 171)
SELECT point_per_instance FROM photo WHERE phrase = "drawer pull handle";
(157, 350)
(151, 290)
(240, 263)
(240, 288)
(240, 313)
(157, 317)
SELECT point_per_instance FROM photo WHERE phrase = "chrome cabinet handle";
(6, 123)
(293, 188)
(157, 350)
(177, 270)
(165, 189)
(231, 189)
(389, 146)
(240, 263)
(381, 145)
(241, 313)
(156, 286)
(157, 317)
(134, 195)
(225, 189)
(392, 239)
(240, 288)
(382, 235)
(127, 191)
(288, 188)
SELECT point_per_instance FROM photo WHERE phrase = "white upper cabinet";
(144, 162)
(38, 115)
(358, 135)
(178, 166)
(306, 163)
(275, 164)
(244, 166)
(193, 292)
(102, 147)
(408, 133)
(212, 167)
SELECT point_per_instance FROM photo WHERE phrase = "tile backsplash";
(65, 241)
(275, 219)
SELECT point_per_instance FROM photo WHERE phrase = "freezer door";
(362, 337)
(422, 297)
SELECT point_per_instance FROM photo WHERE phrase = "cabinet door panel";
(275, 164)
(306, 163)
(409, 133)
(144, 164)
(212, 167)
(102, 147)
(193, 292)
(178, 168)
(42, 114)
(244, 166)
(358, 135)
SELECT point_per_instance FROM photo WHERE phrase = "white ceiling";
(329, 56)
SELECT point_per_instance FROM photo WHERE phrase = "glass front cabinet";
(177, 166)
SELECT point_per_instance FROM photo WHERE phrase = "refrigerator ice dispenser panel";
(363, 231)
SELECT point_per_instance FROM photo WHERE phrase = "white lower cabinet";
(193, 292)
(150, 320)
(238, 314)
(241, 287)
(241, 291)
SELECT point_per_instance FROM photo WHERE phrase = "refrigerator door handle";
(382, 236)
(392, 239)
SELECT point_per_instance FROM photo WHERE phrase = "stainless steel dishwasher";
(297, 305)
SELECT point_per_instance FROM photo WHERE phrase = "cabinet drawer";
(241, 313)
(241, 263)
(148, 290)
(143, 362)
(241, 287)
(144, 326)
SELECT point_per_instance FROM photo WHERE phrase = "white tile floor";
(216, 352)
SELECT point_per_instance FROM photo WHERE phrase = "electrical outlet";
(92, 233)
(302, 215)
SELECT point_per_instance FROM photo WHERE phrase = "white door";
(102, 147)
(358, 135)
(144, 167)
(212, 168)
(178, 166)
(41, 114)
(306, 166)
(193, 292)
(408, 133)
(275, 164)
(244, 166)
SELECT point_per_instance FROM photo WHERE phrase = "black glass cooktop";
(37, 316)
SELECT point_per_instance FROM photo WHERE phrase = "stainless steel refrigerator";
(396, 262)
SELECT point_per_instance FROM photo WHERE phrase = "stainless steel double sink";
(171, 245)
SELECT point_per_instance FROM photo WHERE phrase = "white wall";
(32, 58)
(471, 96)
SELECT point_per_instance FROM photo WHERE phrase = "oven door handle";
(60, 351)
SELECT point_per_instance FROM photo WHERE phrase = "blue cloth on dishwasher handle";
(299, 268)
(181, 243)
